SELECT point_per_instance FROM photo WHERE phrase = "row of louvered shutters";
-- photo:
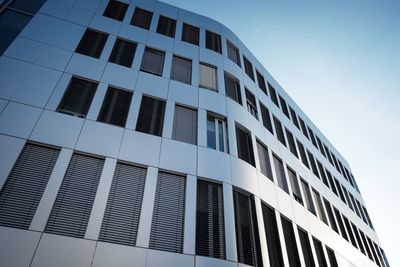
(23, 190)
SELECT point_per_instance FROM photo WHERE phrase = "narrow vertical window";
(213, 41)
(190, 34)
(331, 257)
(123, 53)
(330, 216)
(321, 147)
(272, 93)
(244, 145)
(313, 164)
(151, 116)
(261, 82)
(92, 43)
(251, 103)
(153, 61)
(303, 128)
(294, 117)
(181, 70)
(166, 26)
(272, 236)
(232, 88)
(322, 173)
(233, 53)
(284, 107)
(280, 174)
(210, 231)
(208, 76)
(319, 250)
(185, 125)
(266, 118)
(290, 241)
(339, 189)
(115, 107)
(330, 179)
(349, 231)
(248, 68)
(142, 18)
(292, 145)
(313, 141)
(328, 154)
(306, 248)
(265, 162)
(279, 131)
(320, 207)
(77, 97)
(307, 196)
(302, 153)
(294, 183)
(357, 235)
(217, 133)
(340, 223)
(115, 10)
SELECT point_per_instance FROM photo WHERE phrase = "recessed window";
(244, 145)
(328, 154)
(331, 257)
(151, 116)
(190, 34)
(266, 118)
(115, 107)
(251, 104)
(77, 97)
(208, 76)
(115, 10)
(321, 147)
(153, 61)
(280, 174)
(166, 26)
(322, 173)
(142, 18)
(307, 196)
(279, 131)
(273, 95)
(294, 117)
(232, 88)
(217, 133)
(265, 162)
(213, 41)
(284, 107)
(313, 164)
(123, 53)
(306, 248)
(272, 236)
(92, 43)
(181, 70)
(320, 207)
(311, 133)
(294, 183)
(320, 252)
(261, 82)
(248, 67)
(302, 152)
(290, 241)
(233, 53)
(340, 223)
(185, 125)
(330, 178)
(303, 128)
(330, 216)
(292, 145)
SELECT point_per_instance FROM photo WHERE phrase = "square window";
(248, 67)
(208, 76)
(123, 53)
(251, 104)
(78, 97)
(115, 10)
(166, 26)
(217, 133)
(232, 88)
(142, 18)
(233, 53)
(190, 34)
(153, 61)
(185, 125)
(181, 70)
(213, 41)
(151, 116)
(115, 107)
(92, 43)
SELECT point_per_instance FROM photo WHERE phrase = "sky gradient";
(340, 62)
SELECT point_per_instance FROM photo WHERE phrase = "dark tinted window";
(261, 82)
(303, 128)
(280, 174)
(322, 173)
(185, 125)
(279, 131)
(265, 162)
(233, 53)
(273, 95)
(151, 116)
(330, 216)
(208, 76)
(123, 53)
(115, 10)
(266, 118)
(251, 103)
(294, 118)
(307, 196)
(166, 26)
(28, 6)
(290, 241)
(232, 88)
(92, 43)
(142, 18)
(320, 253)
(181, 70)
(213, 41)
(311, 133)
(190, 34)
(244, 145)
(294, 183)
(320, 207)
(306, 248)
(332, 257)
(340, 223)
(11, 24)
(291, 142)
(321, 147)
(313, 164)
(284, 107)
(302, 153)
(153, 61)
(115, 107)
(272, 236)
(248, 67)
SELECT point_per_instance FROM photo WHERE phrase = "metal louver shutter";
(332, 257)
(272, 236)
(121, 217)
(24, 187)
(247, 239)
(73, 205)
(320, 253)
(210, 230)
(290, 241)
(168, 214)
(305, 245)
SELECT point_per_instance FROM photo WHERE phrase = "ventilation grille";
(25, 185)
(121, 218)
(73, 205)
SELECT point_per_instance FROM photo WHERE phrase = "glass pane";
(153, 61)
(211, 141)
(115, 107)
(123, 53)
(142, 18)
(208, 77)
(28, 6)
(181, 70)
(221, 136)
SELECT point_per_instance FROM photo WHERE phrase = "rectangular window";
(331, 257)
(185, 125)
(232, 88)
(328, 154)
(265, 162)
(208, 76)
(115, 107)
(303, 128)
(142, 18)
(233, 53)
(210, 230)
(320, 207)
(115, 10)
(153, 61)
(340, 223)
(213, 41)
(251, 103)
(294, 117)
(330, 178)
(307, 196)
(361, 211)
(92, 43)
(322, 173)
(366, 245)
(313, 164)
(357, 235)
(123, 53)
(273, 94)
(292, 145)
(244, 145)
(24, 187)
(311, 133)
(181, 70)
(77, 97)
(280, 174)
(12, 22)
(290, 241)
(321, 147)
(248, 67)
(247, 238)
(272, 236)
(266, 118)
(330, 216)
(350, 233)
(294, 183)
(190, 34)
(151, 116)
(353, 202)
(284, 107)
(339, 189)
(306, 248)
(166, 26)
(71, 210)
(302, 153)
(121, 216)
(168, 214)
(320, 253)
(346, 194)
(217, 133)
(279, 131)
(261, 82)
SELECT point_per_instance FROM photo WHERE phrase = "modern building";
(135, 133)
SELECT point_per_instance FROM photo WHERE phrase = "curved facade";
(135, 133)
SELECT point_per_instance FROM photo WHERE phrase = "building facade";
(135, 133)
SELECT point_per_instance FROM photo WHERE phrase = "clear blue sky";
(340, 61)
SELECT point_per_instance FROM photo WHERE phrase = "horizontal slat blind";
(272, 236)
(168, 214)
(24, 187)
(210, 230)
(121, 217)
(73, 205)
